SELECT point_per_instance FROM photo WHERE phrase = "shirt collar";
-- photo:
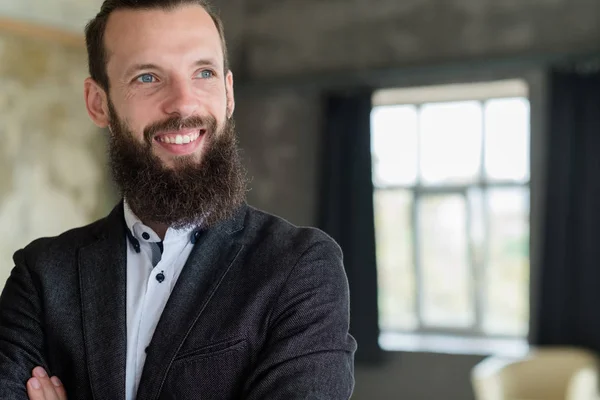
(146, 234)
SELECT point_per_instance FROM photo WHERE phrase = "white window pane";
(395, 268)
(394, 145)
(447, 295)
(507, 273)
(507, 139)
(451, 135)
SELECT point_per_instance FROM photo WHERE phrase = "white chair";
(550, 373)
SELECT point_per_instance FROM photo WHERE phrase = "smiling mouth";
(180, 139)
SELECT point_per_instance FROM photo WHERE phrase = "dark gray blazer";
(260, 311)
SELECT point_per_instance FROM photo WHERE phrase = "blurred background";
(450, 147)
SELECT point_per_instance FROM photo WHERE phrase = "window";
(451, 177)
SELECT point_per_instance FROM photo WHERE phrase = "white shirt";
(146, 296)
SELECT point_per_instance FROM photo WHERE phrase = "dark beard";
(192, 193)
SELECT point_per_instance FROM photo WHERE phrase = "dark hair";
(95, 29)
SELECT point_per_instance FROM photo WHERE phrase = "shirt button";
(160, 277)
(145, 235)
(195, 237)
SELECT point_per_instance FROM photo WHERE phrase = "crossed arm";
(21, 341)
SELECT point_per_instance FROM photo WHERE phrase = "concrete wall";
(279, 134)
(52, 174)
(299, 37)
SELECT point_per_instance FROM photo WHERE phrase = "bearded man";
(184, 291)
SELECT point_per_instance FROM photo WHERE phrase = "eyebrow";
(140, 67)
(206, 61)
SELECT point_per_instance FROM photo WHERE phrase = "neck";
(160, 229)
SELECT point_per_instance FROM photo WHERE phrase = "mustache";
(207, 123)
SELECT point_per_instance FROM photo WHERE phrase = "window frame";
(481, 92)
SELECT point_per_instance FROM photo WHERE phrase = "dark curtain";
(346, 209)
(568, 306)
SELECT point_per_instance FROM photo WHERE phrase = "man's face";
(166, 73)
(173, 149)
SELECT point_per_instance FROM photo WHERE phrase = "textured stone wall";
(69, 15)
(52, 158)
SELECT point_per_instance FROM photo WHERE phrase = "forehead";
(134, 36)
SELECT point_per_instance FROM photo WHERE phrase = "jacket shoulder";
(278, 232)
(57, 247)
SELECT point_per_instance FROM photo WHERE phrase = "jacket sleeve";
(309, 353)
(21, 331)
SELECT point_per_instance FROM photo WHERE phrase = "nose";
(181, 100)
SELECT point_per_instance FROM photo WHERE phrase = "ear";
(230, 94)
(96, 102)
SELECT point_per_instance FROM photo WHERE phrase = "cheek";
(220, 108)
(141, 118)
(132, 116)
(213, 98)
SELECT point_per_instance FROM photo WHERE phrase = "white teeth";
(179, 139)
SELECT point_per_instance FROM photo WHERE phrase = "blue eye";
(146, 78)
(206, 74)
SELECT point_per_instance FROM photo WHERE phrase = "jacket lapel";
(205, 269)
(102, 277)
